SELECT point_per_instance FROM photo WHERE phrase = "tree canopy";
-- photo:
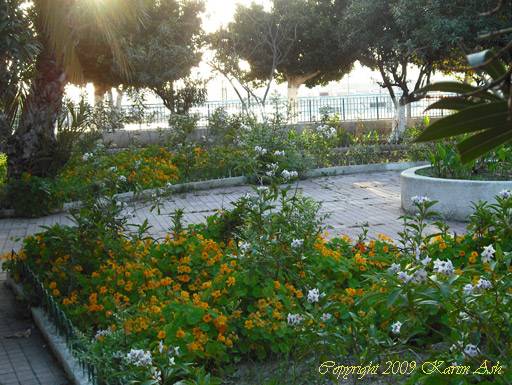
(298, 41)
(159, 51)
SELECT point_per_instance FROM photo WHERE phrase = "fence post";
(343, 108)
(377, 104)
(310, 115)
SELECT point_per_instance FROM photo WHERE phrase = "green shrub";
(3, 169)
(32, 196)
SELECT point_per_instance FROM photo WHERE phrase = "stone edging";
(455, 196)
(56, 342)
(240, 181)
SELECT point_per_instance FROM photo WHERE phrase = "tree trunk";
(119, 98)
(294, 83)
(399, 121)
(99, 93)
(32, 147)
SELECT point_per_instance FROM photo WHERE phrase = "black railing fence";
(303, 110)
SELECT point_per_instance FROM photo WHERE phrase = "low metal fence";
(63, 324)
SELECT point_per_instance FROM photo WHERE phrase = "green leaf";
(393, 296)
(472, 119)
(457, 88)
(495, 69)
(451, 103)
(481, 143)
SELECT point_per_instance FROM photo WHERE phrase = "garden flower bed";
(262, 281)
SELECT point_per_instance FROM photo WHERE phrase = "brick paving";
(351, 201)
(23, 360)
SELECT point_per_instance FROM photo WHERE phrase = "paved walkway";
(25, 358)
(351, 200)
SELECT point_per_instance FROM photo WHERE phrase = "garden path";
(351, 200)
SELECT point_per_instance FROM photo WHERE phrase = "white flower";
(294, 319)
(161, 346)
(314, 295)
(168, 185)
(417, 253)
(468, 289)
(505, 194)
(157, 374)
(471, 350)
(488, 254)
(457, 346)
(326, 317)
(260, 150)
(139, 357)
(395, 328)
(296, 243)
(419, 199)
(102, 333)
(444, 267)
(113, 169)
(404, 277)
(245, 127)
(245, 247)
(483, 284)
(420, 276)
(87, 156)
(326, 131)
(425, 261)
(122, 179)
(279, 153)
(262, 189)
(289, 174)
(394, 268)
(172, 361)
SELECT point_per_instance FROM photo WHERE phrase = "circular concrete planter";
(455, 196)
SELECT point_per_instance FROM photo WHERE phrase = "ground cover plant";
(262, 282)
(446, 162)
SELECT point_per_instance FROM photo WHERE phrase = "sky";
(217, 14)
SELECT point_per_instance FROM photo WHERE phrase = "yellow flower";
(249, 324)
(216, 294)
(161, 335)
(231, 281)
(207, 318)
(277, 285)
(53, 285)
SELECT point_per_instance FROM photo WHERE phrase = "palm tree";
(59, 23)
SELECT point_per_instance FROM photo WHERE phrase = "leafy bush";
(446, 162)
(32, 196)
(3, 168)
(126, 170)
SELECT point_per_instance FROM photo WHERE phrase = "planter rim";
(410, 173)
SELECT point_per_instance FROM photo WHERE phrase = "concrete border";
(56, 342)
(130, 196)
(455, 196)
